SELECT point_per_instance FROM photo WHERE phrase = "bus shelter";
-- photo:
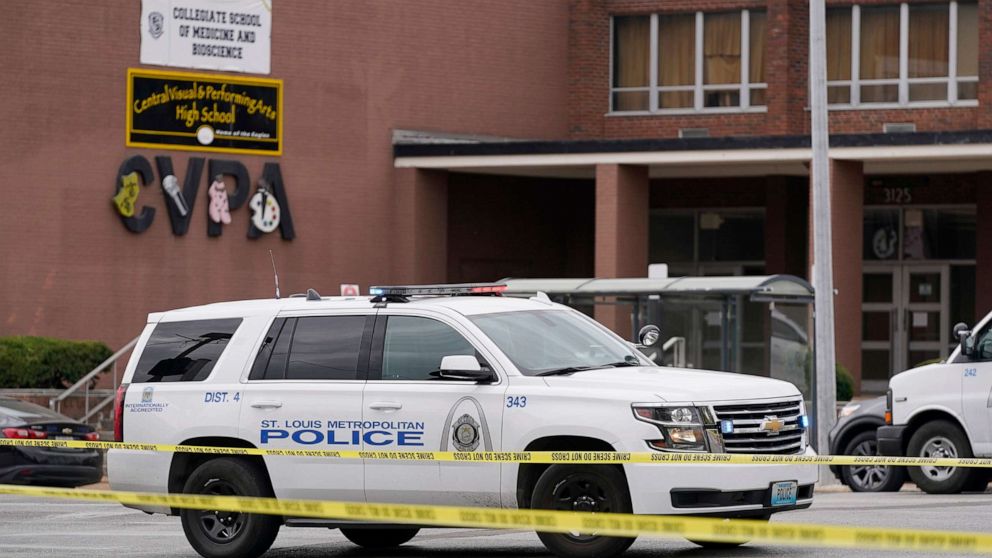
(758, 325)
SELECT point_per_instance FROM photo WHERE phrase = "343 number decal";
(516, 401)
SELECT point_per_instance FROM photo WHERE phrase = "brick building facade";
(457, 141)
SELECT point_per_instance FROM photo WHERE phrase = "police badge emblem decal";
(156, 23)
(146, 395)
(465, 433)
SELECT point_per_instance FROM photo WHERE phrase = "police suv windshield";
(550, 342)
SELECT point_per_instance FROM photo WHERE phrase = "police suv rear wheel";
(219, 534)
(379, 538)
(584, 488)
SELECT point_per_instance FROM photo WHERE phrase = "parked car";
(45, 466)
(854, 434)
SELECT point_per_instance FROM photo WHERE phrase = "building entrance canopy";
(750, 324)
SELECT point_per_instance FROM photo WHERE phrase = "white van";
(944, 410)
(449, 367)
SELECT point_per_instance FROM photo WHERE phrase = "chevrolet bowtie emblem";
(772, 425)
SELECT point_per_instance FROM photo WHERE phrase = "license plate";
(785, 493)
(63, 438)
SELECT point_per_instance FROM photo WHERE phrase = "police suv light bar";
(462, 289)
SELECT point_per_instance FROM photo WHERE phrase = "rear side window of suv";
(313, 348)
(184, 351)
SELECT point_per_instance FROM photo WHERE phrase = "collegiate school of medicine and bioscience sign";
(201, 112)
(225, 35)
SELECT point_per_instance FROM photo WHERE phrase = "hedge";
(43, 362)
(845, 384)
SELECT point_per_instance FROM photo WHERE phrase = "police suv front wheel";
(379, 538)
(583, 488)
(221, 534)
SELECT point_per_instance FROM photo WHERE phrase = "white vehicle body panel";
(959, 387)
(511, 414)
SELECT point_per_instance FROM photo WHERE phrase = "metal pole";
(725, 335)
(825, 388)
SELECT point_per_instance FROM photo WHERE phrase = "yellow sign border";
(167, 74)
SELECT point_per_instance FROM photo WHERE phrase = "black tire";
(379, 538)
(593, 488)
(724, 545)
(223, 534)
(978, 482)
(940, 438)
(867, 478)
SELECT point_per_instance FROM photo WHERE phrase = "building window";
(903, 55)
(726, 236)
(697, 62)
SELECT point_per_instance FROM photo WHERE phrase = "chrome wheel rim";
(868, 478)
(938, 447)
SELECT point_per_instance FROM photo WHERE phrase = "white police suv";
(449, 367)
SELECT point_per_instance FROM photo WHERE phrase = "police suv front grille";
(749, 436)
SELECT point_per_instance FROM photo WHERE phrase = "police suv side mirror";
(465, 368)
(963, 335)
(649, 335)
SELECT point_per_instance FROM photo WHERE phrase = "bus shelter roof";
(769, 288)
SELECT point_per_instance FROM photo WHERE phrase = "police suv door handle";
(267, 404)
(385, 406)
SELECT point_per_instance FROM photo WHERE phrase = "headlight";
(849, 409)
(675, 415)
(681, 427)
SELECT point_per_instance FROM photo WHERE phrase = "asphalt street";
(41, 527)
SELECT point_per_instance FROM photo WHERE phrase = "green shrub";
(42, 362)
(845, 384)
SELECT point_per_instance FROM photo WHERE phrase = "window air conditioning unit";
(694, 132)
(898, 127)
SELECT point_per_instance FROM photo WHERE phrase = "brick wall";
(786, 70)
(353, 72)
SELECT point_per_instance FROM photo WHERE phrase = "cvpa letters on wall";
(268, 203)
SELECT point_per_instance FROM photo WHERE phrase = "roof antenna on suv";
(275, 273)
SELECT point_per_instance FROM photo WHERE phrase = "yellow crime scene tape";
(610, 524)
(583, 457)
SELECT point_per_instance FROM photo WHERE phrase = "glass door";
(905, 320)
(879, 326)
(925, 326)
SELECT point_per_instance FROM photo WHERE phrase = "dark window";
(939, 234)
(184, 351)
(881, 234)
(414, 347)
(276, 369)
(731, 237)
(268, 344)
(672, 237)
(963, 295)
(323, 348)
(983, 345)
